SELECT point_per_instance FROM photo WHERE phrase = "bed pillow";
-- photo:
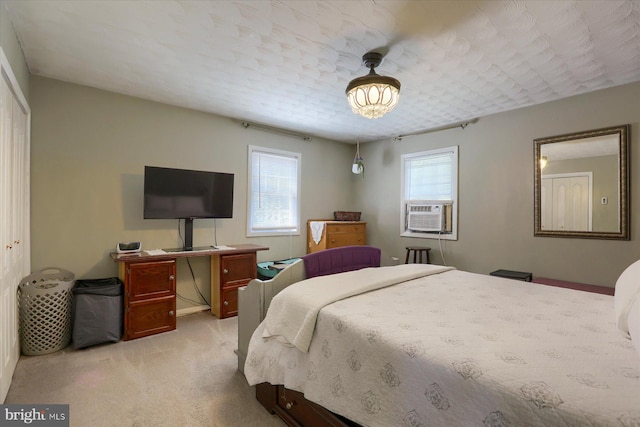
(633, 321)
(627, 291)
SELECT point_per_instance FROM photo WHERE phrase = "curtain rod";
(461, 125)
(287, 132)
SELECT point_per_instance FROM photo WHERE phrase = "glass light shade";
(543, 162)
(373, 96)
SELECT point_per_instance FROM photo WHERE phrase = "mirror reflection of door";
(597, 210)
(566, 202)
(567, 211)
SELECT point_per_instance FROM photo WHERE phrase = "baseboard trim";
(191, 310)
(573, 285)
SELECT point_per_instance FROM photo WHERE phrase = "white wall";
(496, 191)
(89, 151)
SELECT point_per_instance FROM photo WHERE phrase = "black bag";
(97, 311)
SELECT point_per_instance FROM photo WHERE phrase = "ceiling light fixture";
(373, 95)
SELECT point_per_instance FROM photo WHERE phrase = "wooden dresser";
(336, 234)
(150, 296)
(233, 271)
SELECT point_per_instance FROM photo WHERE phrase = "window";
(274, 192)
(429, 194)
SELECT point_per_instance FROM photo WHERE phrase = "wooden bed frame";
(254, 301)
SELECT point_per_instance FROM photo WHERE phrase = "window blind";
(274, 192)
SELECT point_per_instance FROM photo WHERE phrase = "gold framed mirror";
(582, 184)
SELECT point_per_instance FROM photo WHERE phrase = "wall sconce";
(543, 162)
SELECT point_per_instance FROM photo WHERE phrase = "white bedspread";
(463, 349)
(292, 314)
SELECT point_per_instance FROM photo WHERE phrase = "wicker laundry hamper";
(44, 306)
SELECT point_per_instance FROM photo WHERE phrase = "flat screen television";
(187, 194)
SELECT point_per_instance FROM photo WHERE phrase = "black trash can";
(97, 311)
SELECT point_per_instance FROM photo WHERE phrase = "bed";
(446, 347)
(255, 298)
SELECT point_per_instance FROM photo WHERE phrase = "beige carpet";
(187, 377)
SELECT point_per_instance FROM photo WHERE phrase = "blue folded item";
(268, 269)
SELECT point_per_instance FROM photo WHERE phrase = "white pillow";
(633, 321)
(627, 288)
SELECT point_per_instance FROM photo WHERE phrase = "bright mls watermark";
(34, 415)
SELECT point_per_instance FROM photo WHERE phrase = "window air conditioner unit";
(425, 216)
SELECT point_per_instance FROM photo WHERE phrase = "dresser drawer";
(237, 270)
(152, 316)
(150, 280)
(345, 228)
(345, 239)
(229, 302)
(292, 406)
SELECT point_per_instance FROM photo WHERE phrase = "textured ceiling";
(582, 148)
(287, 63)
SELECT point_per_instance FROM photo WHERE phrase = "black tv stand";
(193, 249)
(188, 234)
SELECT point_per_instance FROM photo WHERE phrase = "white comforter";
(292, 314)
(462, 349)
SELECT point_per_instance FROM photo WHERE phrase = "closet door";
(20, 190)
(14, 219)
(8, 324)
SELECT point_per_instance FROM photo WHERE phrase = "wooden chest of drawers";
(150, 297)
(336, 234)
(229, 272)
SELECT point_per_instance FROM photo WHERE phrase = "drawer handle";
(226, 303)
(172, 277)
(171, 313)
(225, 271)
(289, 405)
